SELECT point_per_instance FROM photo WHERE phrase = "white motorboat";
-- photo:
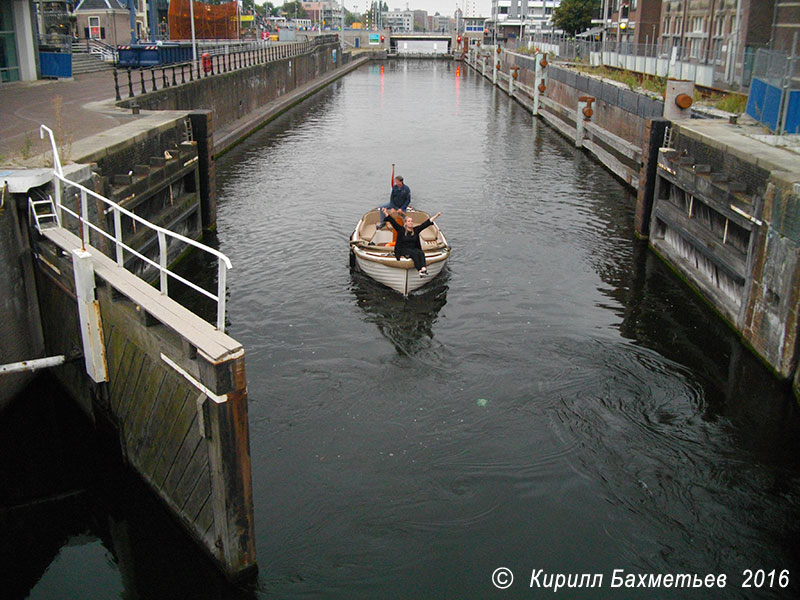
(372, 251)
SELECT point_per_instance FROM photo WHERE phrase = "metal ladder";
(39, 218)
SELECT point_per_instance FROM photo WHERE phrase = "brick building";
(632, 21)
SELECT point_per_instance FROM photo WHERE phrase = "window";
(696, 47)
(94, 28)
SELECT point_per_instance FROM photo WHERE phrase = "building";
(420, 17)
(713, 33)
(324, 14)
(109, 21)
(539, 15)
(515, 18)
(633, 21)
(18, 43)
(399, 21)
(785, 25)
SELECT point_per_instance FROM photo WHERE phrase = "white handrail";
(223, 261)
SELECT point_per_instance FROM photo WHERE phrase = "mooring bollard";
(583, 114)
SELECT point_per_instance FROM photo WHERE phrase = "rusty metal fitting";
(683, 101)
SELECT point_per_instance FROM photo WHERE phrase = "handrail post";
(84, 219)
(222, 276)
(118, 236)
(162, 261)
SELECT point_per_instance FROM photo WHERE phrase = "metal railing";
(85, 226)
(709, 66)
(105, 51)
(136, 82)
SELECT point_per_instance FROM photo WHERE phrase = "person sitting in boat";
(408, 243)
(400, 198)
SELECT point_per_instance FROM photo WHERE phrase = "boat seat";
(428, 234)
(367, 231)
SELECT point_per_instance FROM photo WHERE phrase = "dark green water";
(556, 400)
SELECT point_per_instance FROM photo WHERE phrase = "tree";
(350, 18)
(294, 10)
(574, 16)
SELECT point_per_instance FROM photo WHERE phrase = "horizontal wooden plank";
(216, 345)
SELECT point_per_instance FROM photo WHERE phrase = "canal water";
(556, 400)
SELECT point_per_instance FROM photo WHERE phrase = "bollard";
(583, 114)
(540, 81)
(678, 99)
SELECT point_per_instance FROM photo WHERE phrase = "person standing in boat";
(400, 199)
(408, 243)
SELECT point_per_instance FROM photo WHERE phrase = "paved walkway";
(73, 108)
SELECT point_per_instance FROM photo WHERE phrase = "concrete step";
(89, 63)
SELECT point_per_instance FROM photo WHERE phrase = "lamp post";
(194, 41)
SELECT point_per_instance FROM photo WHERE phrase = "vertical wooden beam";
(94, 351)
(645, 196)
(225, 424)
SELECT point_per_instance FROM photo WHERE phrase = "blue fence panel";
(55, 64)
(793, 112)
(147, 55)
(764, 103)
(755, 100)
(772, 107)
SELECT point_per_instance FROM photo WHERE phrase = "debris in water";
(482, 402)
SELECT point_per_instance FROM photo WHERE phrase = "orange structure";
(211, 21)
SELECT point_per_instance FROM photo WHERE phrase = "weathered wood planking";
(192, 449)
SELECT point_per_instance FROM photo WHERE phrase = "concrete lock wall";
(718, 209)
(19, 328)
(725, 215)
(153, 168)
(233, 95)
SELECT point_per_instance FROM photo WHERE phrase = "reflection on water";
(406, 322)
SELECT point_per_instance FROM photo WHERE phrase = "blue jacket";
(401, 197)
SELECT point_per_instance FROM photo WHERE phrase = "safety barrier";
(58, 209)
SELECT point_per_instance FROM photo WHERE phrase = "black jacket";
(406, 240)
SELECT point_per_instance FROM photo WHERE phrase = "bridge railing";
(85, 226)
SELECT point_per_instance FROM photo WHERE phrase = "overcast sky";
(477, 8)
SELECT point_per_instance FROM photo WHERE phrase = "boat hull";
(403, 278)
(372, 252)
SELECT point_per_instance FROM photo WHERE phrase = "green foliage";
(575, 16)
(654, 84)
(268, 9)
(732, 103)
(350, 18)
(631, 80)
(294, 10)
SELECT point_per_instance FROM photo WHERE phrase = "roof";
(101, 5)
